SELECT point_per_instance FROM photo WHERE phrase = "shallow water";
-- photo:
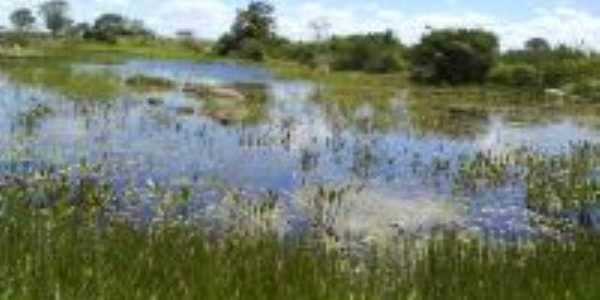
(291, 142)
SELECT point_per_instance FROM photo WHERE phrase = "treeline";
(442, 56)
(56, 18)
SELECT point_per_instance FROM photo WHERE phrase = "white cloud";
(558, 25)
(209, 18)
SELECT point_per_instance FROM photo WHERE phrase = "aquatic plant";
(146, 83)
(564, 185)
(59, 242)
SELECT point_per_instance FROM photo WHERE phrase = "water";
(283, 145)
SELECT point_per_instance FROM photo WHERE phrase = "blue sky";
(565, 21)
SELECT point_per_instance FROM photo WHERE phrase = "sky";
(574, 22)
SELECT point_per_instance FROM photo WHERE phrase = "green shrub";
(455, 56)
(588, 89)
(516, 75)
(378, 52)
(304, 53)
(252, 50)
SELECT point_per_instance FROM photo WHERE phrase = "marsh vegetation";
(134, 166)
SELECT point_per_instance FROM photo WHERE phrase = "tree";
(455, 56)
(537, 45)
(55, 15)
(111, 24)
(256, 22)
(108, 27)
(22, 19)
(251, 31)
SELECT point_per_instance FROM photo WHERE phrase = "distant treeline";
(55, 16)
(443, 56)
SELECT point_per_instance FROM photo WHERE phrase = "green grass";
(60, 241)
(124, 49)
(145, 83)
(554, 183)
(345, 93)
(62, 78)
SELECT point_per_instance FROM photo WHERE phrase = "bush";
(306, 54)
(100, 36)
(15, 38)
(557, 73)
(588, 89)
(455, 56)
(516, 75)
(251, 50)
(373, 52)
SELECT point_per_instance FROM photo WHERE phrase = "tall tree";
(113, 24)
(22, 19)
(537, 45)
(56, 15)
(252, 29)
(256, 22)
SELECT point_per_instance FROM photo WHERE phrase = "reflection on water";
(283, 142)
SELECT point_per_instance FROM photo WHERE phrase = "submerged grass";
(556, 185)
(61, 242)
(148, 83)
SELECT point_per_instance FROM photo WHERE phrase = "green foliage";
(376, 52)
(63, 79)
(557, 185)
(251, 49)
(558, 73)
(557, 66)
(455, 56)
(519, 75)
(146, 82)
(62, 241)
(537, 45)
(109, 27)
(22, 19)
(373, 52)
(536, 53)
(252, 34)
(587, 89)
(55, 15)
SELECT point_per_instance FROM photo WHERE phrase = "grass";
(555, 184)
(60, 241)
(346, 93)
(64, 237)
(344, 86)
(124, 49)
(63, 79)
(145, 82)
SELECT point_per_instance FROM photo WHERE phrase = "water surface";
(290, 142)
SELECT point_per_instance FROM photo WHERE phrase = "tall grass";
(60, 241)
